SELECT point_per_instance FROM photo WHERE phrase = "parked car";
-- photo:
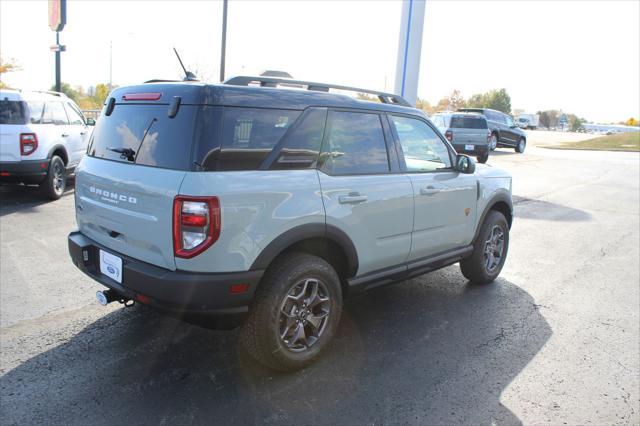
(267, 207)
(504, 132)
(44, 135)
(467, 132)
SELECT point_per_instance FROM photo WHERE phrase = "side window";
(301, 145)
(509, 120)
(36, 108)
(249, 135)
(75, 117)
(54, 114)
(355, 145)
(423, 150)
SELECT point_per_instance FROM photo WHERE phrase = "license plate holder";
(468, 147)
(111, 266)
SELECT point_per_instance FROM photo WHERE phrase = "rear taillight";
(449, 135)
(489, 136)
(28, 143)
(196, 224)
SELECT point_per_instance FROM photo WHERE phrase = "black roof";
(196, 93)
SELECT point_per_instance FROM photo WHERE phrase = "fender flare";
(55, 148)
(502, 196)
(304, 232)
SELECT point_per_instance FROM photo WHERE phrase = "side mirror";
(91, 122)
(465, 164)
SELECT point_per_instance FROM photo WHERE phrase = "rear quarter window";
(13, 112)
(245, 138)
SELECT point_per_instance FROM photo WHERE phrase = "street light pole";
(224, 39)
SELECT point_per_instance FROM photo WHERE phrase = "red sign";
(57, 14)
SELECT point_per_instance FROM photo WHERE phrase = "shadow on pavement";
(545, 210)
(24, 198)
(433, 350)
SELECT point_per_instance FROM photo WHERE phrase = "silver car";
(267, 207)
(467, 132)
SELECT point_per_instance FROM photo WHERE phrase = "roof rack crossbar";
(243, 80)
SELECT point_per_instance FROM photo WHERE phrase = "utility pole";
(224, 39)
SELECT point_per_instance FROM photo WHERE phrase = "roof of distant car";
(23, 95)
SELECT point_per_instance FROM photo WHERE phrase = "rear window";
(13, 112)
(246, 138)
(461, 122)
(153, 138)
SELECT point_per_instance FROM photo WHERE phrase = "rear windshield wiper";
(125, 153)
(128, 153)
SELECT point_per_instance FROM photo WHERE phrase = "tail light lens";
(28, 143)
(196, 224)
(449, 135)
(489, 136)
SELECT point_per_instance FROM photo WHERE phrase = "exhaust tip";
(102, 298)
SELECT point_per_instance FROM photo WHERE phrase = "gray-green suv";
(267, 207)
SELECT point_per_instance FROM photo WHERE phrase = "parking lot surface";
(554, 340)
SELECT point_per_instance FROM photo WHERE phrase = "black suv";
(504, 131)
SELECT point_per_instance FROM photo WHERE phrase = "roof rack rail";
(265, 81)
(51, 92)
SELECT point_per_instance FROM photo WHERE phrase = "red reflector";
(5, 174)
(43, 165)
(142, 298)
(141, 96)
(193, 220)
(239, 288)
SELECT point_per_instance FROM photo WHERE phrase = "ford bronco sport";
(43, 137)
(270, 206)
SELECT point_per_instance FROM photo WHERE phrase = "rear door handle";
(352, 198)
(64, 135)
(429, 190)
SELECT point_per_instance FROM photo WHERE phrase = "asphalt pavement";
(554, 340)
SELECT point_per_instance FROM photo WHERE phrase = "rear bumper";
(477, 149)
(179, 292)
(32, 171)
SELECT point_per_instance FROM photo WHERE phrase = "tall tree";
(102, 91)
(549, 118)
(452, 102)
(499, 100)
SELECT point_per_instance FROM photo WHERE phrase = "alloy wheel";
(304, 314)
(494, 249)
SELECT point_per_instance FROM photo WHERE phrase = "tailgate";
(128, 208)
(10, 142)
(470, 136)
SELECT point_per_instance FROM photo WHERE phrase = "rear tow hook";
(107, 296)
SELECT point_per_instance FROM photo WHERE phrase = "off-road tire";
(55, 183)
(259, 335)
(474, 267)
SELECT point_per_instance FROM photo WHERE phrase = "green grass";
(629, 141)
